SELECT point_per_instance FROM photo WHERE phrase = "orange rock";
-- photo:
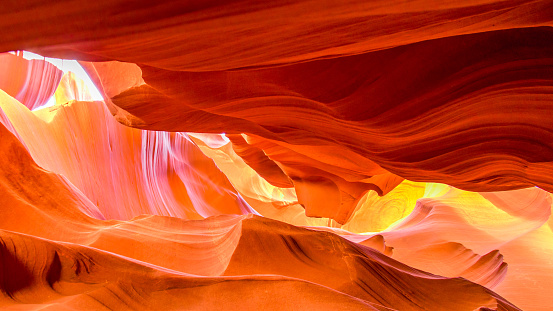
(283, 155)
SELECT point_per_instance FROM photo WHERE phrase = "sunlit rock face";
(283, 155)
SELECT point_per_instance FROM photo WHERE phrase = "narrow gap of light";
(65, 65)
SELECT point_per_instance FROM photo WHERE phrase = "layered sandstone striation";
(283, 155)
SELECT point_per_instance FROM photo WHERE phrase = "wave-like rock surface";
(86, 263)
(448, 110)
(340, 92)
(363, 126)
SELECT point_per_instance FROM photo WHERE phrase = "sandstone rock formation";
(282, 155)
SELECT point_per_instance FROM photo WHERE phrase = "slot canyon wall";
(277, 155)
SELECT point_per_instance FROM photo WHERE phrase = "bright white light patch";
(66, 65)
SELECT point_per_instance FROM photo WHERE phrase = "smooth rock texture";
(282, 155)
